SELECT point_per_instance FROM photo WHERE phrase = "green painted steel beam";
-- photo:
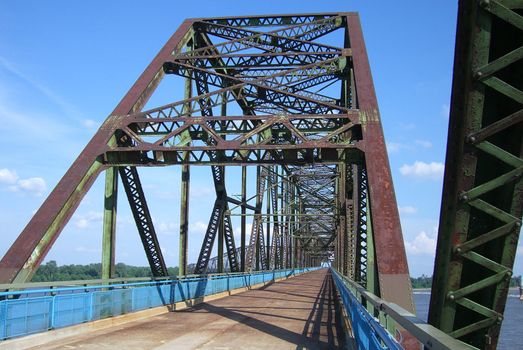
(482, 203)
(184, 220)
(109, 222)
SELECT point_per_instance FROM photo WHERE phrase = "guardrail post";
(51, 320)
(132, 299)
(90, 308)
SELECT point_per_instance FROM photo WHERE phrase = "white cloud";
(168, 228)
(166, 194)
(7, 176)
(122, 221)
(433, 170)
(89, 123)
(201, 191)
(168, 252)
(408, 210)
(394, 147)
(83, 221)
(445, 111)
(82, 249)
(198, 227)
(424, 143)
(407, 126)
(35, 186)
(422, 244)
(195, 192)
(237, 234)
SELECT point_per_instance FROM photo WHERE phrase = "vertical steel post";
(294, 201)
(372, 284)
(109, 222)
(185, 188)
(184, 220)
(221, 238)
(337, 251)
(290, 220)
(221, 229)
(352, 225)
(243, 219)
(268, 212)
(258, 205)
(342, 228)
(284, 231)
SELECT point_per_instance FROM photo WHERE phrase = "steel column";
(109, 222)
(184, 220)
(185, 185)
(391, 259)
(243, 219)
(482, 203)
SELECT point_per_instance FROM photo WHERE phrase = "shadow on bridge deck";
(297, 313)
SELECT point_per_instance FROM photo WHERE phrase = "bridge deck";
(292, 314)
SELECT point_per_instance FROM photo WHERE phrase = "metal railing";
(372, 318)
(42, 306)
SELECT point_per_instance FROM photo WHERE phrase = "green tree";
(50, 272)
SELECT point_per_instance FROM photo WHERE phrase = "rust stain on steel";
(388, 239)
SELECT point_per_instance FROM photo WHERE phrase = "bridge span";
(292, 98)
(296, 313)
(311, 308)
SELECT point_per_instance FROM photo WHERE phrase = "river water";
(511, 328)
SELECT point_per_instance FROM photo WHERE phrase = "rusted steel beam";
(393, 272)
(341, 118)
(282, 39)
(392, 261)
(272, 20)
(267, 85)
(202, 39)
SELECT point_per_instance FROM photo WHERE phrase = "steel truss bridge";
(279, 97)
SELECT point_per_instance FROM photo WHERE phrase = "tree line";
(50, 272)
(426, 281)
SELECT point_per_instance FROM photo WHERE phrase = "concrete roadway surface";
(297, 313)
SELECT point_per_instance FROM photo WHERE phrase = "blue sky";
(65, 65)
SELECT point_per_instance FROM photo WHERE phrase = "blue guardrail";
(368, 332)
(32, 311)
